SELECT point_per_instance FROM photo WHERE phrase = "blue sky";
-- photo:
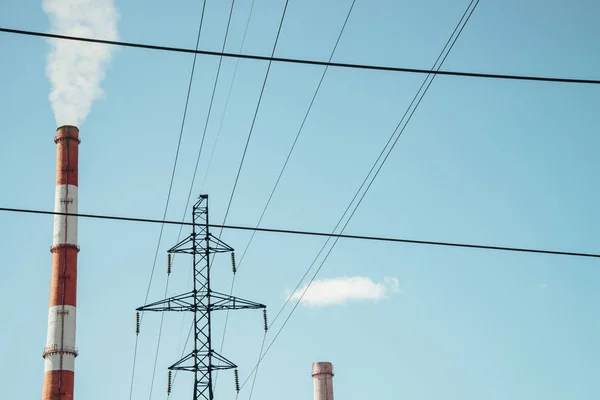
(482, 161)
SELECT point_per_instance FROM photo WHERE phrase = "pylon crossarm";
(178, 366)
(217, 245)
(182, 302)
(185, 246)
(221, 301)
(221, 362)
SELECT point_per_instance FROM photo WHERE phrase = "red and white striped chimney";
(60, 349)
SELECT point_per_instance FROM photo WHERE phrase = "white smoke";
(75, 69)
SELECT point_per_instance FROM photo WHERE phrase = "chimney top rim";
(67, 126)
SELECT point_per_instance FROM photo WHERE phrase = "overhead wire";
(160, 328)
(258, 103)
(282, 170)
(262, 91)
(187, 99)
(183, 351)
(262, 346)
(232, 83)
(289, 154)
(210, 106)
(202, 141)
(304, 61)
(316, 233)
(419, 95)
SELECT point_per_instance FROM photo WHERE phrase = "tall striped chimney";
(60, 351)
(322, 373)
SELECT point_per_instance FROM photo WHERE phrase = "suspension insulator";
(169, 264)
(169, 382)
(233, 267)
(237, 380)
(265, 319)
(137, 323)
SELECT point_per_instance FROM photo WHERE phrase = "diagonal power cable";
(210, 163)
(312, 101)
(232, 83)
(210, 106)
(262, 91)
(385, 153)
(187, 99)
(189, 196)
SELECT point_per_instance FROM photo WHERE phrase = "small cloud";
(543, 286)
(335, 291)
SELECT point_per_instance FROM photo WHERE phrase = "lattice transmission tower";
(202, 301)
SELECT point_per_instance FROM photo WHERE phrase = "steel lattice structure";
(202, 360)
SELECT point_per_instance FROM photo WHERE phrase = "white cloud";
(334, 291)
(543, 286)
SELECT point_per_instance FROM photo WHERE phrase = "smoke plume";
(75, 69)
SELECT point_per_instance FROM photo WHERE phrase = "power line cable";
(189, 196)
(162, 318)
(197, 162)
(307, 62)
(187, 99)
(206, 124)
(237, 62)
(279, 179)
(237, 177)
(212, 99)
(262, 346)
(183, 351)
(315, 233)
(262, 91)
(133, 366)
(297, 136)
(449, 45)
(202, 144)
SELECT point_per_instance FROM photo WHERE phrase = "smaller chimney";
(322, 373)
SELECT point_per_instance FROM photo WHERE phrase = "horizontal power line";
(301, 61)
(311, 233)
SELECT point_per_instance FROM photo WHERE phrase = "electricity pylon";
(202, 301)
